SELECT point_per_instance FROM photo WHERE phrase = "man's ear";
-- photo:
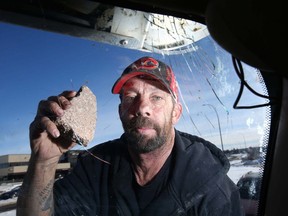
(176, 113)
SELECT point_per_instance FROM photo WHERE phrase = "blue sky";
(36, 64)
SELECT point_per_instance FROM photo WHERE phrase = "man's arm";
(36, 195)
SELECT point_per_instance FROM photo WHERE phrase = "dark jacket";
(198, 184)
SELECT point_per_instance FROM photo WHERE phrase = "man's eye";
(156, 98)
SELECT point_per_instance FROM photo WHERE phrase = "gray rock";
(78, 123)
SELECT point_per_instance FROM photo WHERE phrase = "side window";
(216, 104)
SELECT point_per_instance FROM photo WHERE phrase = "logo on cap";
(145, 64)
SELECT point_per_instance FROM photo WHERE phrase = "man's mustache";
(140, 121)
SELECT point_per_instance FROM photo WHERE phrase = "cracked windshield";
(215, 104)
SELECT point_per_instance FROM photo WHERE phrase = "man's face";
(148, 114)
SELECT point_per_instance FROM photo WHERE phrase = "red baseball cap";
(150, 67)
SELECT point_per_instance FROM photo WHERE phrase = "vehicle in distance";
(10, 194)
(249, 187)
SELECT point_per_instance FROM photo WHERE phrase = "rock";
(78, 123)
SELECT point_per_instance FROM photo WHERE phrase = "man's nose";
(143, 107)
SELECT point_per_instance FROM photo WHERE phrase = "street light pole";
(219, 126)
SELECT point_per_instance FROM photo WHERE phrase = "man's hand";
(45, 140)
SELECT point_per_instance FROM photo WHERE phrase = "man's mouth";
(141, 126)
(145, 130)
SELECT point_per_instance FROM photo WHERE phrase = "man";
(153, 168)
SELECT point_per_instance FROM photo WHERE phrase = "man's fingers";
(61, 102)
(44, 123)
(68, 94)
(49, 108)
(55, 105)
(41, 124)
(50, 127)
(47, 112)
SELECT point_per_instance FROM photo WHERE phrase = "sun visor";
(251, 30)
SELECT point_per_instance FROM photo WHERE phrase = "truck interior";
(251, 32)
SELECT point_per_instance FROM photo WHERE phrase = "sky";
(36, 64)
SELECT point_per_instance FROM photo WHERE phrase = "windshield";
(36, 64)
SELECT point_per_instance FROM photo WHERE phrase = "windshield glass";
(36, 64)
